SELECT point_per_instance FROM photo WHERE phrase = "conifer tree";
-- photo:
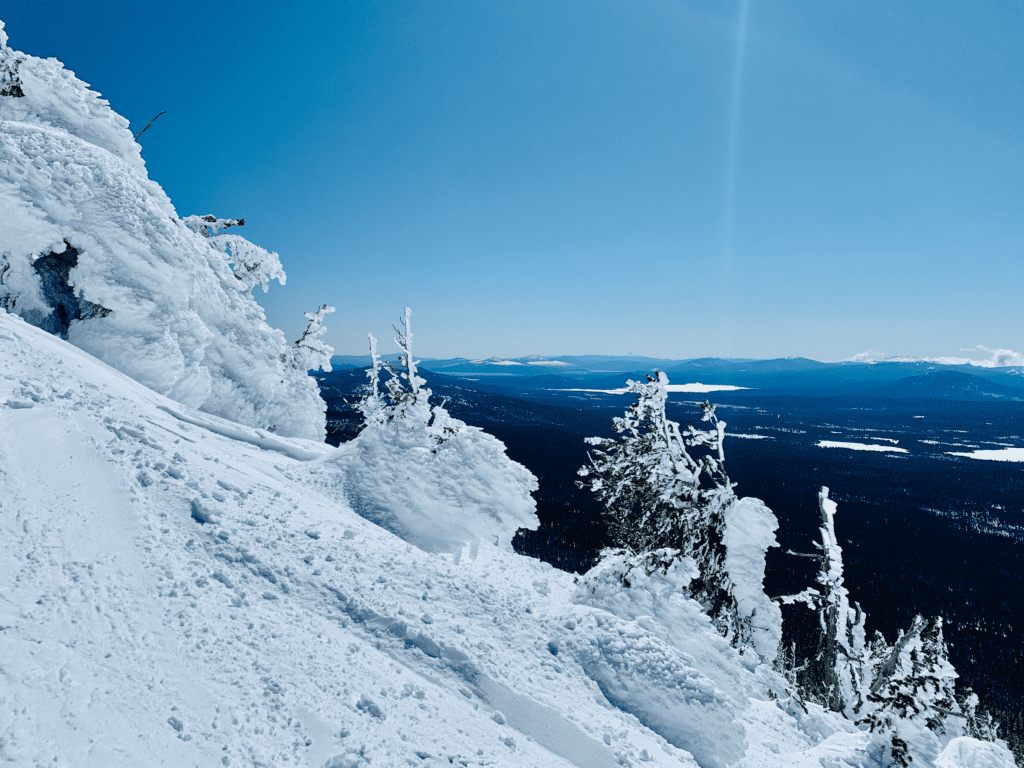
(405, 387)
(914, 682)
(886, 686)
(836, 675)
(979, 725)
(251, 264)
(311, 352)
(405, 403)
(371, 406)
(659, 493)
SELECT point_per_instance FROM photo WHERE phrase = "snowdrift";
(440, 497)
(92, 249)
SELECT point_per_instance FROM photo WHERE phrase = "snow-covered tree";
(311, 351)
(428, 477)
(406, 393)
(372, 405)
(917, 679)
(894, 690)
(913, 686)
(405, 401)
(252, 264)
(10, 83)
(977, 724)
(661, 493)
(835, 674)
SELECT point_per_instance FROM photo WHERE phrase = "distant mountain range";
(949, 385)
(783, 376)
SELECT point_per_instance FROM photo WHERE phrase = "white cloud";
(997, 358)
(864, 357)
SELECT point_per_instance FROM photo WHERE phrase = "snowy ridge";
(191, 594)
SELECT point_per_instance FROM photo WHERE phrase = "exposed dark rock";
(54, 270)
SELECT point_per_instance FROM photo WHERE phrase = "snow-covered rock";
(92, 249)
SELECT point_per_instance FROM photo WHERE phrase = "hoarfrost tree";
(372, 405)
(915, 683)
(405, 400)
(311, 352)
(897, 691)
(835, 675)
(977, 724)
(252, 264)
(661, 494)
(430, 478)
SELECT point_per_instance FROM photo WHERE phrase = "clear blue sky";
(592, 177)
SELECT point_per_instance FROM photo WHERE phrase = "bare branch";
(147, 125)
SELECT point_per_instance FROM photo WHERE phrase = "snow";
(1005, 454)
(750, 528)
(162, 302)
(657, 657)
(439, 497)
(692, 387)
(495, 361)
(180, 589)
(134, 632)
(971, 753)
(553, 363)
(860, 446)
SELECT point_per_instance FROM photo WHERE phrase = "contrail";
(734, 135)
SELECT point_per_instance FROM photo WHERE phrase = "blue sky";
(592, 177)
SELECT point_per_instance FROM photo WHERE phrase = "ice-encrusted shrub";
(430, 478)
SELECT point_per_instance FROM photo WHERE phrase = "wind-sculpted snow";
(749, 532)
(173, 595)
(53, 97)
(156, 300)
(970, 753)
(441, 497)
(655, 654)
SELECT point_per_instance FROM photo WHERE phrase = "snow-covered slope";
(181, 590)
(92, 249)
